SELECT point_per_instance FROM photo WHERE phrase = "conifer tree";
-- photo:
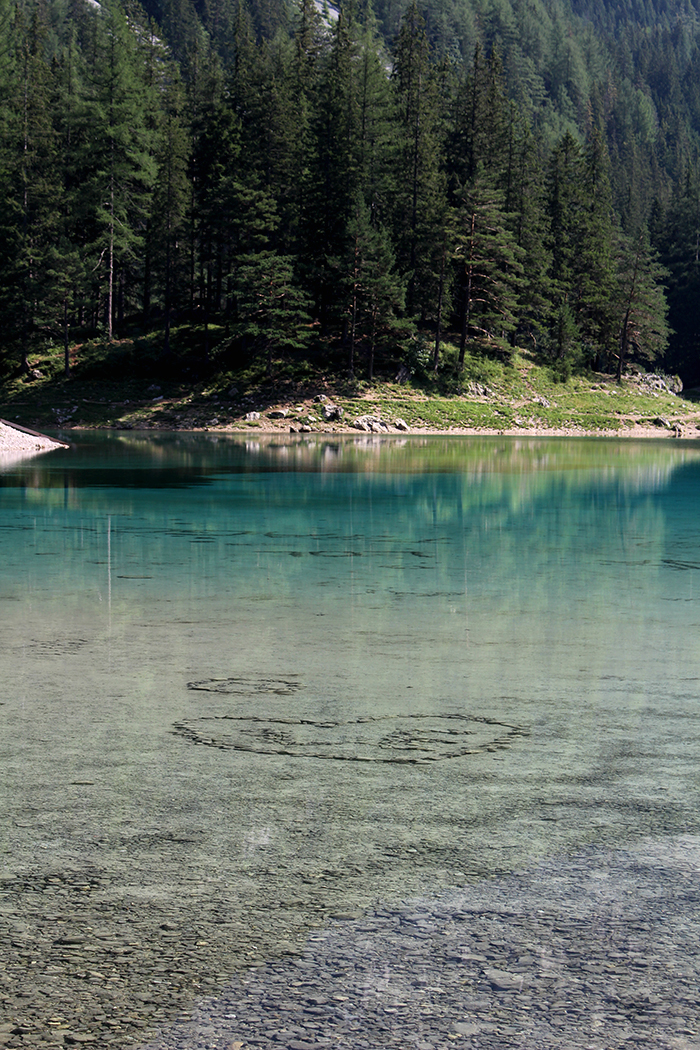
(204, 92)
(641, 302)
(375, 292)
(420, 185)
(677, 238)
(334, 168)
(31, 198)
(524, 203)
(489, 265)
(67, 257)
(167, 234)
(302, 84)
(478, 140)
(595, 262)
(120, 164)
(272, 308)
(565, 206)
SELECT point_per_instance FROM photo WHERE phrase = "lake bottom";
(595, 951)
(364, 757)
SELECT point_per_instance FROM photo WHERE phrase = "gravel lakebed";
(596, 950)
(180, 873)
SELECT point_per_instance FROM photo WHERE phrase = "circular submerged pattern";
(245, 686)
(413, 739)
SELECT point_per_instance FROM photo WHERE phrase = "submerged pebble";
(592, 952)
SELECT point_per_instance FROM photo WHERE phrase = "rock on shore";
(16, 442)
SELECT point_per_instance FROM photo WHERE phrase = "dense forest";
(386, 188)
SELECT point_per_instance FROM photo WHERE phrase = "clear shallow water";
(248, 685)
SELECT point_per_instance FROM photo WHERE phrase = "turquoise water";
(309, 676)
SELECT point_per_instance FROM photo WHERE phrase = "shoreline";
(16, 440)
(684, 431)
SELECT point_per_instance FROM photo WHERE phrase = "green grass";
(132, 384)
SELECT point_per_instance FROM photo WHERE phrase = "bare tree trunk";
(66, 349)
(353, 324)
(110, 276)
(466, 309)
(441, 294)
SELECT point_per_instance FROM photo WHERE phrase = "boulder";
(331, 412)
(371, 425)
(663, 384)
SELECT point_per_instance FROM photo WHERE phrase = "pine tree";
(524, 204)
(121, 163)
(67, 257)
(168, 230)
(420, 185)
(272, 309)
(31, 199)
(373, 143)
(374, 291)
(641, 302)
(489, 265)
(479, 136)
(204, 108)
(595, 263)
(333, 169)
(677, 237)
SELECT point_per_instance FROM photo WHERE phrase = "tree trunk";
(110, 276)
(466, 307)
(66, 349)
(441, 291)
(624, 342)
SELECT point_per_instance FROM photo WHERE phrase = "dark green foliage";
(676, 232)
(271, 306)
(489, 265)
(117, 161)
(640, 302)
(477, 173)
(373, 290)
(167, 240)
(420, 184)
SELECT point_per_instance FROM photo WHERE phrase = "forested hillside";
(385, 190)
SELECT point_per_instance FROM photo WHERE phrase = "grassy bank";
(125, 385)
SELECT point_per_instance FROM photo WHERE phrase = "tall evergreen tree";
(121, 164)
(167, 234)
(479, 135)
(595, 262)
(641, 302)
(526, 215)
(420, 186)
(374, 291)
(31, 199)
(677, 238)
(489, 265)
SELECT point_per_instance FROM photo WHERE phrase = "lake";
(256, 688)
